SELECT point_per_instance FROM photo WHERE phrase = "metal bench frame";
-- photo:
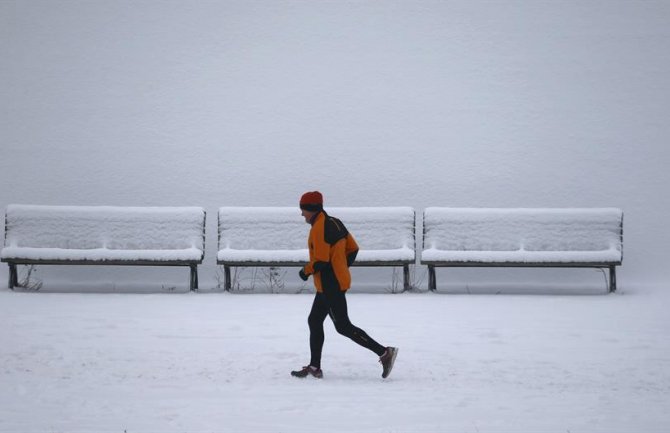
(229, 264)
(13, 274)
(432, 280)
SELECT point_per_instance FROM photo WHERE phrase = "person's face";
(307, 215)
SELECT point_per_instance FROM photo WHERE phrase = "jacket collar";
(316, 215)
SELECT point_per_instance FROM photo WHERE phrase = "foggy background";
(384, 103)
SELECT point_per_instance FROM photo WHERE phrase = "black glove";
(303, 275)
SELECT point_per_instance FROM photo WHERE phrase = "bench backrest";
(529, 230)
(283, 228)
(114, 228)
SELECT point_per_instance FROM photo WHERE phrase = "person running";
(332, 250)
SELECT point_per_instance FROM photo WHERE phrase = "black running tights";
(334, 303)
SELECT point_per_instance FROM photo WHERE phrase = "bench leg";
(612, 279)
(194, 277)
(13, 279)
(226, 278)
(432, 280)
(405, 277)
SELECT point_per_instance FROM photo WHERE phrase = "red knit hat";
(311, 201)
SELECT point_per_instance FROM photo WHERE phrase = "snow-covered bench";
(462, 237)
(104, 235)
(277, 236)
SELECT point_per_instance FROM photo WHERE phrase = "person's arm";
(321, 253)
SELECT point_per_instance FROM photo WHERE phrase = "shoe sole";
(307, 375)
(395, 354)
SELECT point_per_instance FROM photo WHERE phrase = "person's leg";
(316, 337)
(337, 304)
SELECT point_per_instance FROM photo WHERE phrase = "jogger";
(332, 250)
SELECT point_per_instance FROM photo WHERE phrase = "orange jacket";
(332, 249)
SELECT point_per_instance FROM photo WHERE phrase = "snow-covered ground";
(201, 362)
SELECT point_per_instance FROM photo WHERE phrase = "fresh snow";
(522, 235)
(200, 362)
(605, 256)
(302, 255)
(103, 233)
(102, 254)
(280, 234)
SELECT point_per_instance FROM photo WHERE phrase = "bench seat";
(100, 255)
(521, 256)
(300, 257)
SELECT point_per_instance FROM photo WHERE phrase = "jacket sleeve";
(351, 250)
(321, 252)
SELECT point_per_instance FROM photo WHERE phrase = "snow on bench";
(522, 237)
(277, 236)
(104, 235)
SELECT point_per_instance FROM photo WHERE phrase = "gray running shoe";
(387, 360)
(306, 371)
